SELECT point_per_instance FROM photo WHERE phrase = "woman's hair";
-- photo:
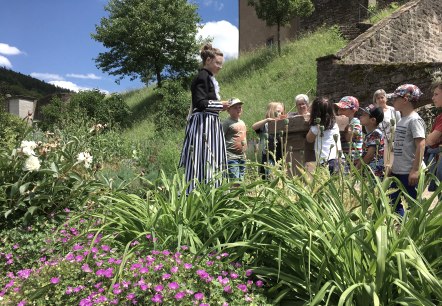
(377, 93)
(207, 51)
(323, 109)
(302, 97)
(436, 84)
(271, 109)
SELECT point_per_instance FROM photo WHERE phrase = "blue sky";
(50, 39)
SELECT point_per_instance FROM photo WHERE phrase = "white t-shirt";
(408, 129)
(324, 143)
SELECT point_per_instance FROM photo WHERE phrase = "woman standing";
(391, 117)
(204, 154)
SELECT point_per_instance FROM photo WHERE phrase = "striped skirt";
(204, 154)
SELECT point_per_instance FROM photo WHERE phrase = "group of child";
(373, 148)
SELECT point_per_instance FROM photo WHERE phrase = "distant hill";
(18, 84)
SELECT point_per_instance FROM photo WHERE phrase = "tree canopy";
(148, 39)
(281, 12)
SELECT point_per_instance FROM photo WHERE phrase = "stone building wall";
(411, 34)
(336, 80)
(404, 48)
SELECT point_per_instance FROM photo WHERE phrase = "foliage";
(148, 39)
(18, 84)
(86, 106)
(321, 251)
(96, 270)
(11, 128)
(376, 14)
(174, 105)
(281, 12)
(43, 178)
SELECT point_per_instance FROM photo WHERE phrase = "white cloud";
(9, 50)
(90, 76)
(4, 62)
(68, 85)
(218, 5)
(47, 76)
(225, 37)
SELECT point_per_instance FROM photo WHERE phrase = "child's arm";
(257, 125)
(348, 133)
(368, 157)
(413, 177)
(310, 137)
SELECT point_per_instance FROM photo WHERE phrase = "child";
(409, 142)
(324, 132)
(236, 145)
(348, 106)
(271, 147)
(373, 146)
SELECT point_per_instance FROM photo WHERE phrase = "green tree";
(281, 12)
(148, 39)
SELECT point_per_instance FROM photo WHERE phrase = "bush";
(173, 106)
(86, 106)
(11, 128)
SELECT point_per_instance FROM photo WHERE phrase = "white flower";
(32, 163)
(86, 158)
(27, 147)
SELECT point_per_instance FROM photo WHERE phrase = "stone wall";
(403, 48)
(336, 80)
(411, 34)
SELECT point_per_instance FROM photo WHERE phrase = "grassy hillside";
(256, 78)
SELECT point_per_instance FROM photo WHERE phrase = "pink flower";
(174, 269)
(166, 276)
(144, 270)
(199, 296)
(105, 248)
(180, 295)
(209, 263)
(227, 289)
(188, 266)
(157, 298)
(242, 287)
(130, 296)
(259, 283)
(77, 247)
(174, 286)
(86, 268)
(159, 288)
(234, 275)
(249, 272)
(22, 303)
(55, 280)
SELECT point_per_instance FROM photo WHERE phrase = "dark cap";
(374, 112)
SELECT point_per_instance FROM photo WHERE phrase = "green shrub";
(11, 128)
(86, 106)
(173, 107)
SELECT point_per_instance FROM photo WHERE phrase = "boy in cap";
(235, 134)
(348, 106)
(373, 146)
(409, 142)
